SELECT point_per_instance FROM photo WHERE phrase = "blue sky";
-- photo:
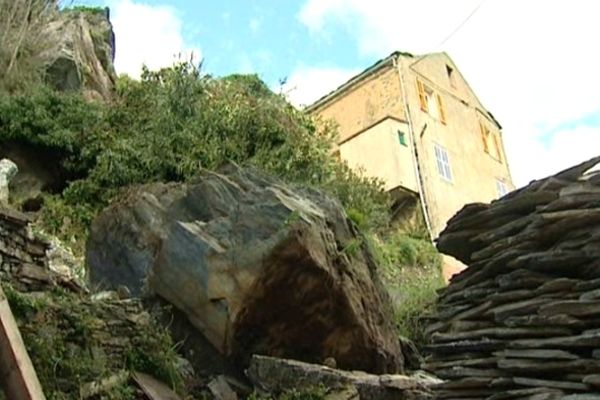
(258, 36)
(533, 63)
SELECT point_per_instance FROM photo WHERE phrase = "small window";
(443, 162)
(485, 133)
(431, 102)
(491, 142)
(450, 72)
(501, 188)
(402, 138)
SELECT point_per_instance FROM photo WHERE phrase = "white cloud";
(307, 84)
(533, 158)
(147, 34)
(532, 63)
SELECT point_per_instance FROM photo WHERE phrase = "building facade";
(415, 123)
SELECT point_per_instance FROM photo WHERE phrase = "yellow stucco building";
(414, 122)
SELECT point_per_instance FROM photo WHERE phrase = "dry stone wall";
(22, 255)
(523, 320)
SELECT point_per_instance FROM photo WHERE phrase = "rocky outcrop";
(523, 320)
(257, 267)
(277, 376)
(82, 53)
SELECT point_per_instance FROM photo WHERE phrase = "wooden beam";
(18, 376)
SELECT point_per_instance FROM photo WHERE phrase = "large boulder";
(82, 54)
(257, 267)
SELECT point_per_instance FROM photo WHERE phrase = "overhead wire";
(454, 32)
(462, 23)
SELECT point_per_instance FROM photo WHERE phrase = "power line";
(462, 23)
(452, 33)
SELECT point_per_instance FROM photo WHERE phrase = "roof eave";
(354, 80)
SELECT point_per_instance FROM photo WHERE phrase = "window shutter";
(498, 149)
(484, 137)
(441, 109)
(422, 98)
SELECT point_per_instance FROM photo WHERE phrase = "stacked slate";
(523, 320)
(22, 255)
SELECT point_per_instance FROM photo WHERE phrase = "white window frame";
(442, 161)
(501, 188)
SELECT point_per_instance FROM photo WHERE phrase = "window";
(450, 73)
(443, 162)
(501, 187)
(491, 142)
(485, 133)
(402, 138)
(431, 102)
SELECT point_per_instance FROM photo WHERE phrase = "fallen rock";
(62, 261)
(275, 376)
(257, 267)
(220, 389)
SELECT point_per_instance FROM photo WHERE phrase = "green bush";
(170, 125)
(87, 9)
(411, 271)
(66, 337)
(415, 296)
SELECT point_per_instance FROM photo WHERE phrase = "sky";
(533, 63)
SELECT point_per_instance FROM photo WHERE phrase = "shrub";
(411, 271)
(168, 126)
(68, 337)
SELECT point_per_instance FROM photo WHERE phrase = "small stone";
(330, 362)
(123, 292)
(221, 390)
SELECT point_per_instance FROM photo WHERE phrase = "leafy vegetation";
(167, 127)
(87, 9)
(68, 338)
(411, 270)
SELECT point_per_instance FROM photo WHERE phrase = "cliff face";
(82, 54)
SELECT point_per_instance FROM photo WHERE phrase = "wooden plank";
(154, 389)
(19, 379)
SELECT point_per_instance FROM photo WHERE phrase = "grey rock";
(275, 376)
(83, 53)
(220, 389)
(256, 266)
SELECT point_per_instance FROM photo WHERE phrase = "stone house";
(415, 123)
